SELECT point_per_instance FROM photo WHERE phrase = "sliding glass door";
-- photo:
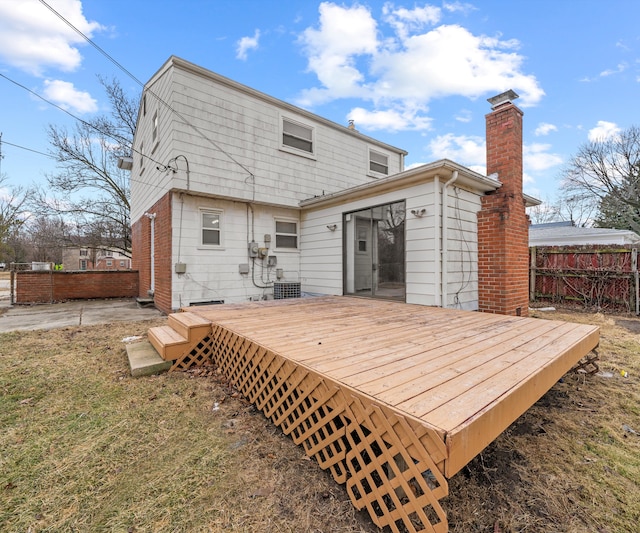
(374, 241)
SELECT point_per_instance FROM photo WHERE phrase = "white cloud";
(33, 39)
(404, 61)
(618, 70)
(537, 158)
(247, 43)
(544, 128)
(603, 131)
(405, 21)
(389, 119)
(465, 149)
(332, 50)
(471, 152)
(464, 115)
(64, 94)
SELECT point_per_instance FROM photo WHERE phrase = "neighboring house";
(86, 258)
(566, 234)
(238, 196)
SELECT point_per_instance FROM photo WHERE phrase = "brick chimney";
(503, 226)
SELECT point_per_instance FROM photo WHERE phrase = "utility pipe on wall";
(445, 237)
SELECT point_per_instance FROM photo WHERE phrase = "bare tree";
(43, 239)
(579, 209)
(13, 213)
(89, 188)
(607, 173)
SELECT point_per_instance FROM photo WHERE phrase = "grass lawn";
(85, 447)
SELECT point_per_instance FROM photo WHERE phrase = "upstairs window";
(286, 234)
(154, 132)
(378, 163)
(210, 229)
(298, 136)
(84, 253)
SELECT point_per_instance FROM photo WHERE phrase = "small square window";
(286, 234)
(210, 221)
(122, 263)
(296, 135)
(84, 253)
(378, 162)
(109, 263)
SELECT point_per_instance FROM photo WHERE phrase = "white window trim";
(141, 153)
(275, 233)
(211, 211)
(290, 149)
(374, 173)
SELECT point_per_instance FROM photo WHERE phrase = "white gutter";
(445, 238)
(436, 238)
(152, 220)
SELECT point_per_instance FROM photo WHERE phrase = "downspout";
(445, 238)
(152, 220)
(436, 240)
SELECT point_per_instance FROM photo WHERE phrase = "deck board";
(463, 377)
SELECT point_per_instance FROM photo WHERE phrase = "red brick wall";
(141, 253)
(42, 286)
(503, 226)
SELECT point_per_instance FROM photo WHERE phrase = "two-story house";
(237, 196)
(90, 258)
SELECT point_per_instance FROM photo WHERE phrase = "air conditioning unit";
(282, 290)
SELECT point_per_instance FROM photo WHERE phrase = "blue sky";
(415, 75)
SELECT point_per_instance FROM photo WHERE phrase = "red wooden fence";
(596, 277)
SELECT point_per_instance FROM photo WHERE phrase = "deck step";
(189, 325)
(144, 360)
(168, 342)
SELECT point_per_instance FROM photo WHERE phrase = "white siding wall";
(213, 273)
(234, 149)
(462, 288)
(322, 250)
(148, 184)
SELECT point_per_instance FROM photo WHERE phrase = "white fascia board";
(424, 173)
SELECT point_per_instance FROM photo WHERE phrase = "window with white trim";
(84, 252)
(297, 136)
(109, 262)
(210, 222)
(286, 234)
(83, 264)
(122, 263)
(154, 131)
(378, 162)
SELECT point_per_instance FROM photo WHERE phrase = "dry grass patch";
(571, 463)
(85, 447)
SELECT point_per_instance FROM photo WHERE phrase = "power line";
(25, 148)
(104, 53)
(116, 138)
(134, 78)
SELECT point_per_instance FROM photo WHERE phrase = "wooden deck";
(392, 398)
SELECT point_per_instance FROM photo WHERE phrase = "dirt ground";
(85, 447)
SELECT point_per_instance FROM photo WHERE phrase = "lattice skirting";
(391, 464)
(199, 354)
